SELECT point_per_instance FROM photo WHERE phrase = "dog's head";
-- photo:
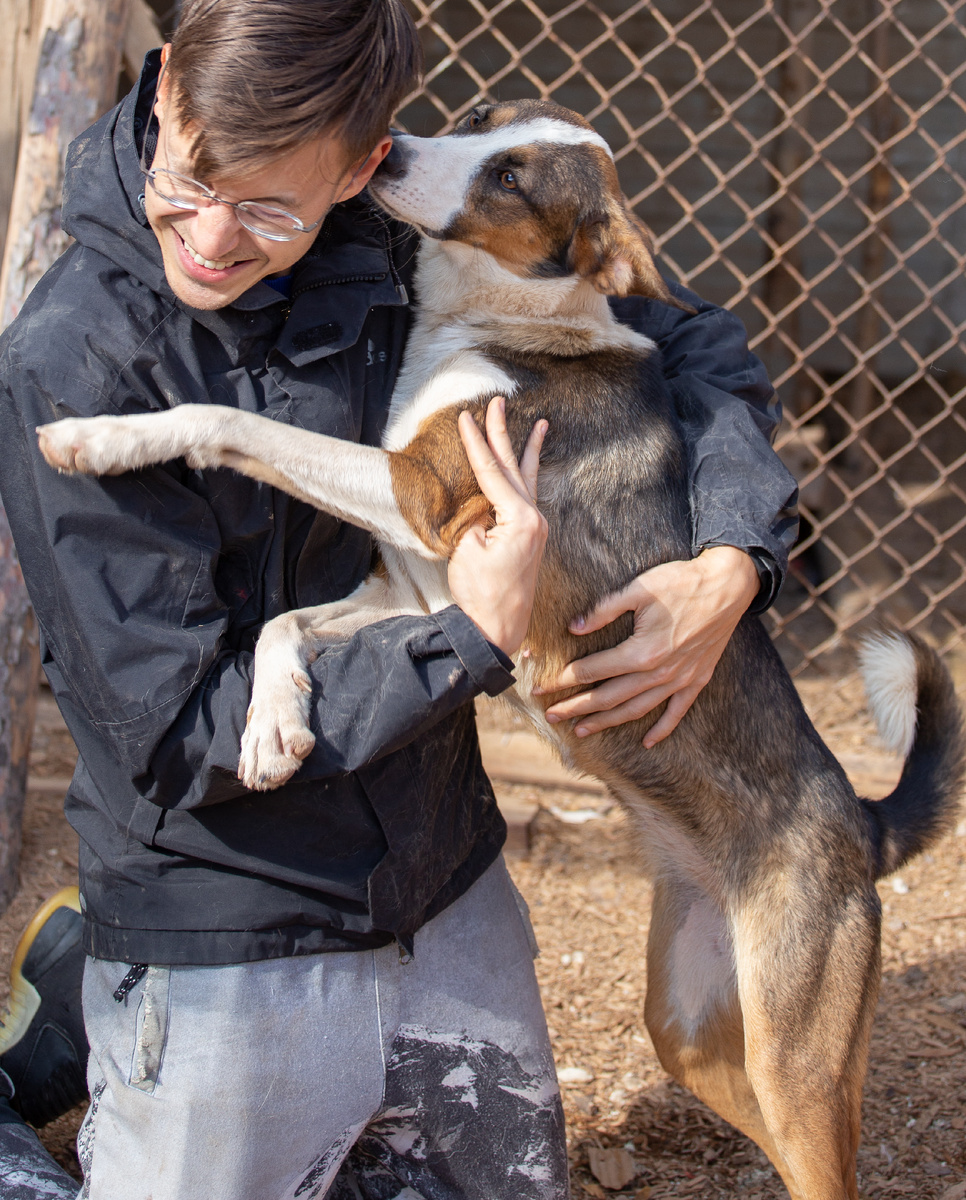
(533, 185)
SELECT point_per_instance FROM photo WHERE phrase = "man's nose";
(215, 231)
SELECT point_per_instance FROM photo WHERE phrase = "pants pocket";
(151, 1029)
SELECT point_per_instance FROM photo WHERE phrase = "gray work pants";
(351, 1075)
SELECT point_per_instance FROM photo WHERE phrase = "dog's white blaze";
(667, 848)
(467, 376)
(441, 170)
(702, 964)
(889, 672)
(418, 582)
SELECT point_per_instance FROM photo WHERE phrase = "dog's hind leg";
(693, 1012)
(808, 968)
(765, 1017)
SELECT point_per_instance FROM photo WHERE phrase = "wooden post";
(78, 60)
(76, 81)
(143, 34)
(20, 22)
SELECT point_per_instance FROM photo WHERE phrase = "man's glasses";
(183, 192)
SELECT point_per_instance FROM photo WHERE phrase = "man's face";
(210, 259)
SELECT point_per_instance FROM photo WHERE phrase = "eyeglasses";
(183, 192)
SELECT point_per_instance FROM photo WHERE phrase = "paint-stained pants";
(27, 1172)
(357, 1076)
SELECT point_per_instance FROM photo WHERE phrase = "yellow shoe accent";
(24, 997)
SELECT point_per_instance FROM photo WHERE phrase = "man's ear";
(365, 168)
(161, 96)
(614, 250)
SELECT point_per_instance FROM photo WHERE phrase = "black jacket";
(150, 588)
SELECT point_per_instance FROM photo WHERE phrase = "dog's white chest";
(440, 370)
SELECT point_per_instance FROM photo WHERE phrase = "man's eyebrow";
(287, 202)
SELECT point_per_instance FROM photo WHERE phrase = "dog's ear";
(614, 251)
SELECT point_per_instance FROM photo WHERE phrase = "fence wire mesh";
(801, 162)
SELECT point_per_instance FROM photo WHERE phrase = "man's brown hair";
(255, 78)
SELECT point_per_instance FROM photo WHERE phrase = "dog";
(763, 957)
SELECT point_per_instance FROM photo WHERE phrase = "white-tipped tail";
(888, 664)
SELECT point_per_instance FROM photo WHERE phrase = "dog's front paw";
(276, 740)
(91, 445)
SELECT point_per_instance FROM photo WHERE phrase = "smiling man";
(327, 989)
(273, 983)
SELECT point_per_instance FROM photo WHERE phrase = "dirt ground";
(590, 908)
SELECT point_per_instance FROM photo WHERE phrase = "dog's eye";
(473, 120)
(509, 181)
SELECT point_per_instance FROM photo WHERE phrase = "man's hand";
(684, 615)
(493, 572)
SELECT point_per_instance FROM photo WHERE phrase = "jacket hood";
(103, 183)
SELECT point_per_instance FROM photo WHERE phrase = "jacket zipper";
(342, 279)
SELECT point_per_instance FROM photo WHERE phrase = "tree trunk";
(78, 60)
(76, 81)
(20, 22)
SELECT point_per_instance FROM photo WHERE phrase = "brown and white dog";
(763, 958)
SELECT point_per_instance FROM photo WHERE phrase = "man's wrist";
(735, 569)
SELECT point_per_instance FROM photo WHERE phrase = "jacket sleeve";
(121, 574)
(741, 493)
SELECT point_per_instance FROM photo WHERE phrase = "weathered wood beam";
(76, 80)
(20, 22)
(143, 34)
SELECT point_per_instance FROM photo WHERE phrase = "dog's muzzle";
(396, 163)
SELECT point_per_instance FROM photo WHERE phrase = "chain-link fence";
(801, 162)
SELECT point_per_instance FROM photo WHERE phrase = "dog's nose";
(395, 164)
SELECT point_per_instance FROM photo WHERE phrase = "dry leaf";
(958, 1192)
(643, 1193)
(614, 1168)
(575, 1075)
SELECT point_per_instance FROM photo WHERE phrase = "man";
(327, 989)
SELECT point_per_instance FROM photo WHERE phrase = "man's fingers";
(630, 710)
(530, 461)
(522, 475)
(609, 695)
(489, 472)
(669, 720)
(608, 609)
(497, 435)
(640, 706)
(493, 461)
(605, 664)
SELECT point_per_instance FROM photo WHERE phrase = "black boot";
(43, 1046)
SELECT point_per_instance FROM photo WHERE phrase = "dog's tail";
(914, 704)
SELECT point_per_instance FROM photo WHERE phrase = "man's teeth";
(205, 262)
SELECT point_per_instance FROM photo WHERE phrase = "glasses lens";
(179, 189)
(269, 222)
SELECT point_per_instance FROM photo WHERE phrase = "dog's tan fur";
(763, 958)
